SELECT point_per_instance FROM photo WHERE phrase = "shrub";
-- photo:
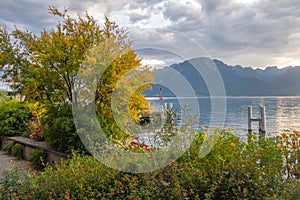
(37, 156)
(36, 129)
(289, 145)
(61, 133)
(4, 96)
(234, 169)
(14, 118)
(12, 185)
(8, 146)
(17, 150)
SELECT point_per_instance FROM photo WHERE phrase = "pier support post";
(262, 128)
(249, 119)
(261, 121)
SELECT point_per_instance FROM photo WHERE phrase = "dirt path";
(7, 161)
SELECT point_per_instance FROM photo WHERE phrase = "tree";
(55, 57)
(12, 57)
(113, 69)
(45, 68)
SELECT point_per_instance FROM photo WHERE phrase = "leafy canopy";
(45, 67)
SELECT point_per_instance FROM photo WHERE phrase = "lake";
(282, 113)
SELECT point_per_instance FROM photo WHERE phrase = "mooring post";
(262, 122)
(166, 106)
(170, 106)
(249, 119)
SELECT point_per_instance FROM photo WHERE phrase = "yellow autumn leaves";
(289, 141)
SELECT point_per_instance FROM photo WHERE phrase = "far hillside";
(239, 80)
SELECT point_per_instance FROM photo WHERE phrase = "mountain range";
(238, 80)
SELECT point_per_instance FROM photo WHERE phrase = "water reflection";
(287, 114)
(282, 113)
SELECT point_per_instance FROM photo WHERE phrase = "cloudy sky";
(254, 33)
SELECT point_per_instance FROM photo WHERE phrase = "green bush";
(4, 96)
(14, 118)
(234, 169)
(37, 157)
(17, 150)
(12, 185)
(8, 146)
(61, 133)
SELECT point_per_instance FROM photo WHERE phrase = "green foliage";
(17, 150)
(8, 146)
(11, 186)
(61, 133)
(234, 169)
(49, 62)
(12, 57)
(46, 67)
(14, 148)
(14, 118)
(4, 96)
(120, 85)
(37, 157)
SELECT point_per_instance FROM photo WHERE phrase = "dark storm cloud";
(24, 13)
(228, 29)
(33, 14)
(264, 27)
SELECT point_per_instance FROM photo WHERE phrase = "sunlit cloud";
(246, 32)
(153, 63)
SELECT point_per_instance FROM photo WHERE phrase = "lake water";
(282, 113)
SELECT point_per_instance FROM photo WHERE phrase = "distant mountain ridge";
(238, 80)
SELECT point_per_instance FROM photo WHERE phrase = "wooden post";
(262, 127)
(261, 120)
(249, 119)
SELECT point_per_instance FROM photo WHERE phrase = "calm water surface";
(282, 113)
